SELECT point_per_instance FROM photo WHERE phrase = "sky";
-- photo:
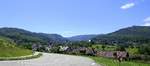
(74, 17)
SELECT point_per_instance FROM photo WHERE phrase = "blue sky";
(74, 17)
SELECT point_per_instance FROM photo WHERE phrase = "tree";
(120, 48)
(144, 49)
(103, 47)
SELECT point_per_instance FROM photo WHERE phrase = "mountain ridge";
(133, 35)
(82, 37)
(21, 36)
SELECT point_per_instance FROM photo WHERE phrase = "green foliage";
(133, 50)
(120, 48)
(103, 47)
(111, 62)
(126, 36)
(145, 49)
(107, 47)
(131, 36)
(27, 38)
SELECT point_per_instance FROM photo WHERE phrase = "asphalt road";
(52, 60)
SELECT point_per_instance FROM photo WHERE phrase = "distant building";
(63, 48)
(89, 40)
(111, 53)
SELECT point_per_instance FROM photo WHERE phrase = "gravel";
(52, 60)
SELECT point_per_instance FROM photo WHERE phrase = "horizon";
(70, 18)
(74, 35)
(48, 33)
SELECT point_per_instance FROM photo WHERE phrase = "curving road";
(52, 60)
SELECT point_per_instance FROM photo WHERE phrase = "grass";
(110, 62)
(9, 49)
(21, 58)
(13, 52)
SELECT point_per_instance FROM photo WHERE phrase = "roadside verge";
(35, 55)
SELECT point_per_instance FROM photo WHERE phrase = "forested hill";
(82, 37)
(143, 31)
(21, 36)
(129, 35)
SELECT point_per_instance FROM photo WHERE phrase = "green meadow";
(111, 62)
(9, 49)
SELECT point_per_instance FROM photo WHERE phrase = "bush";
(120, 48)
(144, 49)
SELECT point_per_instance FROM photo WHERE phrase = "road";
(52, 60)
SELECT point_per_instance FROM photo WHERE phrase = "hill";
(81, 37)
(53, 37)
(129, 35)
(9, 49)
(24, 37)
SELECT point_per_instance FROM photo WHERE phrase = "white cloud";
(127, 6)
(147, 24)
(147, 21)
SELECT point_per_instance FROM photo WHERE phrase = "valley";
(134, 41)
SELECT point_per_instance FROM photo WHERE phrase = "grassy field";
(9, 49)
(113, 48)
(13, 52)
(111, 62)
